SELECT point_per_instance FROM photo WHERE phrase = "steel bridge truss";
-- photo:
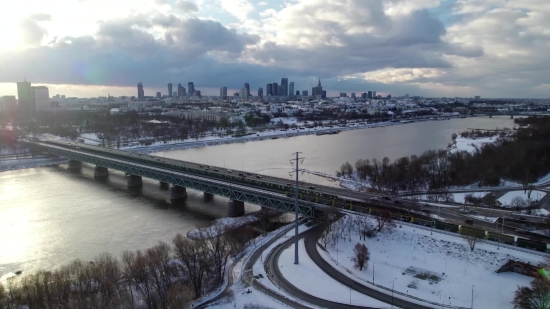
(260, 198)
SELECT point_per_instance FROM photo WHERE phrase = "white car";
(463, 210)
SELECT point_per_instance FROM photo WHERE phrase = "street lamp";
(472, 305)
(392, 285)
(298, 160)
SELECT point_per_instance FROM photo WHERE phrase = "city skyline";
(431, 48)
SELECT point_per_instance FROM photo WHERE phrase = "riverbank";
(13, 165)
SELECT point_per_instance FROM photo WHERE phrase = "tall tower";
(141, 94)
(269, 89)
(170, 89)
(247, 87)
(190, 88)
(284, 84)
(275, 89)
(24, 95)
(291, 89)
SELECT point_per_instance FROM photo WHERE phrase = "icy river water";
(50, 216)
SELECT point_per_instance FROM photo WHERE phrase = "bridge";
(240, 187)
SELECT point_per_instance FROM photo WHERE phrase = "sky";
(86, 48)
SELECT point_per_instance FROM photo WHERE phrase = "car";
(249, 174)
(398, 202)
(289, 185)
(229, 171)
(241, 174)
(244, 176)
(312, 187)
(258, 176)
(463, 210)
(425, 211)
(216, 170)
(207, 169)
(373, 199)
(386, 198)
(522, 219)
(473, 211)
(200, 165)
(426, 205)
(469, 221)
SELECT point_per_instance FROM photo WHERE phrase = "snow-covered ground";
(470, 145)
(407, 253)
(311, 279)
(507, 198)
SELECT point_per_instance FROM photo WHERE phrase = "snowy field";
(507, 198)
(408, 254)
(311, 279)
(470, 145)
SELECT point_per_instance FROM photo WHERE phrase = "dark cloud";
(186, 6)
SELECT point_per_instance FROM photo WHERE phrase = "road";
(284, 284)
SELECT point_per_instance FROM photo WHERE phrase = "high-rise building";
(244, 94)
(374, 94)
(369, 94)
(291, 89)
(323, 94)
(141, 94)
(304, 93)
(353, 95)
(343, 95)
(170, 89)
(197, 93)
(260, 92)
(181, 90)
(269, 89)
(24, 95)
(158, 94)
(247, 87)
(190, 88)
(41, 96)
(297, 92)
(364, 95)
(284, 87)
(174, 94)
(281, 90)
(8, 104)
(275, 89)
(223, 92)
(318, 90)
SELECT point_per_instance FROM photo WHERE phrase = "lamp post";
(297, 160)
(472, 305)
(392, 285)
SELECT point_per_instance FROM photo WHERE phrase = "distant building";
(181, 90)
(291, 89)
(324, 94)
(158, 94)
(190, 88)
(297, 92)
(174, 94)
(353, 95)
(477, 97)
(244, 94)
(317, 91)
(141, 94)
(260, 92)
(304, 93)
(343, 95)
(281, 91)
(275, 89)
(407, 95)
(269, 89)
(41, 96)
(197, 93)
(223, 92)
(284, 87)
(247, 87)
(170, 89)
(369, 94)
(374, 94)
(8, 103)
(25, 97)
(364, 95)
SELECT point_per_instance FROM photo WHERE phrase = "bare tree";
(470, 236)
(361, 256)
(192, 255)
(178, 296)
(383, 219)
(537, 296)
(518, 202)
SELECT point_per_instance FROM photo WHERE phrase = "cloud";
(262, 3)
(31, 31)
(237, 8)
(186, 6)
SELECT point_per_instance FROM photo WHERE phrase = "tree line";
(162, 277)
(521, 157)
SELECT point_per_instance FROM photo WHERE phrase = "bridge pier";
(511, 116)
(164, 185)
(133, 180)
(208, 196)
(177, 193)
(100, 172)
(74, 165)
(235, 208)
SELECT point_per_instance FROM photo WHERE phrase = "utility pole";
(297, 160)
(472, 306)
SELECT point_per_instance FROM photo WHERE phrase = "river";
(50, 216)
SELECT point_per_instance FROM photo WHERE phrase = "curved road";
(310, 241)
(296, 292)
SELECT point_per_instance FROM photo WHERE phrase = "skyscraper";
(260, 92)
(181, 90)
(369, 94)
(24, 95)
(141, 94)
(297, 92)
(374, 94)
(158, 94)
(318, 90)
(223, 92)
(275, 89)
(190, 88)
(247, 87)
(170, 89)
(304, 93)
(291, 89)
(41, 96)
(284, 87)
(268, 89)
(244, 94)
